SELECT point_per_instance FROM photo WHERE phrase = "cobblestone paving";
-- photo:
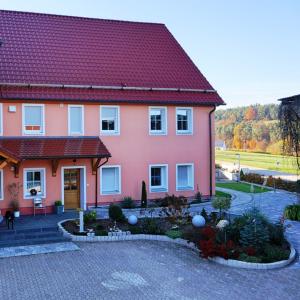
(138, 270)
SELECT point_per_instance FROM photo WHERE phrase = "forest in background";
(252, 128)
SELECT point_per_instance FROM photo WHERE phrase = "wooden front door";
(72, 188)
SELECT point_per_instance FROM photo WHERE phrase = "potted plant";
(16, 208)
(13, 190)
(58, 207)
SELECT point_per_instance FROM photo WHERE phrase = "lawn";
(260, 160)
(222, 194)
(241, 187)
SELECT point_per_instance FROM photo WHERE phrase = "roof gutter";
(106, 87)
(210, 152)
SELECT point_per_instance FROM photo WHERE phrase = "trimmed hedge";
(290, 186)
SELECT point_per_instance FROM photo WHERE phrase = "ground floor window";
(34, 179)
(110, 180)
(158, 178)
(1, 184)
(184, 177)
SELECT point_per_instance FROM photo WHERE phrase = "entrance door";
(72, 188)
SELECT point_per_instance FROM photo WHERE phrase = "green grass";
(222, 194)
(260, 160)
(241, 187)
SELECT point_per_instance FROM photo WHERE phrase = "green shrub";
(144, 195)
(221, 203)
(134, 229)
(198, 197)
(192, 234)
(254, 234)
(274, 253)
(204, 214)
(101, 232)
(127, 202)
(250, 259)
(174, 234)
(151, 226)
(58, 203)
(115, 213)
(276, 234)
(292, 212)
(90, 216)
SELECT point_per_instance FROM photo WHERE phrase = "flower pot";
(59, 209)
(16, 214)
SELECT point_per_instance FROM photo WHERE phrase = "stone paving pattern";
(138, 270)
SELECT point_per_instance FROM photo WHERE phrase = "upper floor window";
(158, 178)
(110, 180)
(110, 120)
(33, 119)
(34, 179)
(184, 120)
(76, 120)
(184, 177)
(158, 120)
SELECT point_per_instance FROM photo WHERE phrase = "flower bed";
(248, 241)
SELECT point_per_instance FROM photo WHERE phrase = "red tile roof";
(52, 49)
(24, 148)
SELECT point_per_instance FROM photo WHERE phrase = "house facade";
(90, 108)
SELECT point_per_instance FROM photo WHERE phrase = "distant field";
(260, 160)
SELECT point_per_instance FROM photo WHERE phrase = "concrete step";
(33, 241)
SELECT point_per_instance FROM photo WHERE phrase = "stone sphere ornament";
(198, 221)
(132, 220)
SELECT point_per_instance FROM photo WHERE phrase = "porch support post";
(54, 164)
(17, 169)
(95, 165)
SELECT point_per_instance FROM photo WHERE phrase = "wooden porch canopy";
(14, 150)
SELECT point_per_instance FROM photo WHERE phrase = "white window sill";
(184, 132)
(29, 197)
(185, 188)
(158, 189)
(109, 133)
(76, 133)
(157, 133)
(111, 193)
(33, 133)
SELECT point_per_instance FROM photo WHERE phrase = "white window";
(34, 179)
(110, 180)
(110, 120)
(184, 120)
(1, 119)
(33, 119)
(158, 120)
(1, 185)
(158, 177)
(184, 177)
(76, 120)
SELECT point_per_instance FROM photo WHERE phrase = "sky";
(249, 50)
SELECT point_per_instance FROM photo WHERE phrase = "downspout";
(96, 186)
(210, 152)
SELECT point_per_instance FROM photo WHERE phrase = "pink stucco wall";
(134, 150)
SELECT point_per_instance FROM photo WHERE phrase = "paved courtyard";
(138, 270)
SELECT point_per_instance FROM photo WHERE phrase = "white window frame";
(160, 189)
(25, 170)
(33, 132)
(2, 185)
(101, 181)
(69, 119)
(189, 187)
(1, 119)
(190, 122)
(110, 132)
(164, 131)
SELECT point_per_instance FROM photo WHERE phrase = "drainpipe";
(210, 152)
(96, 188)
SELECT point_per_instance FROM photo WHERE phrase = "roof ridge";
(81, 17)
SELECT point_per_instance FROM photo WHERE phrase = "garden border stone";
(179, 241)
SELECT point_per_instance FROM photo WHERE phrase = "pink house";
(90, 108)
